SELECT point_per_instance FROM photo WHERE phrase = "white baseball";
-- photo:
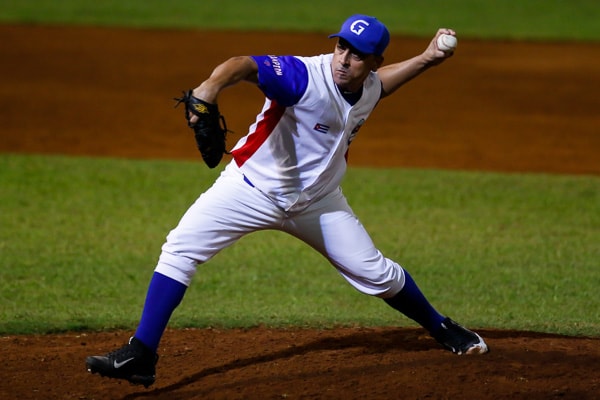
(446, 42)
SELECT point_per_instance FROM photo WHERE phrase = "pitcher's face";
(350, 67)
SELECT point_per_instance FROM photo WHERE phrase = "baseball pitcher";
(285, 175)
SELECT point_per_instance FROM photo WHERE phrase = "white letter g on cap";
(358, 26)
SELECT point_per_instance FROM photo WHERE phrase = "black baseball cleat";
(459, 339)
(133, 362)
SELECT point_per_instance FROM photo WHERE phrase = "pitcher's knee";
(383, 283)
(179, 268)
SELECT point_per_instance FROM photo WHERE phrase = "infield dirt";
(495, 106)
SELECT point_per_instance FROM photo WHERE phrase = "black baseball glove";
(210, 130)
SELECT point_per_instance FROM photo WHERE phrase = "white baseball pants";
(232, 208)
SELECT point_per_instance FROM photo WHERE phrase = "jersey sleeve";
(282, 78)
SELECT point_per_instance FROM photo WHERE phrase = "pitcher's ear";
(378, 63)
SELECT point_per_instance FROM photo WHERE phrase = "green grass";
(80, 238)
(513, 19)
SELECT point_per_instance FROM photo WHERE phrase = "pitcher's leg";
(163, 296)
(331, 227)
(411, 302)
(230, 209)
(224, 213)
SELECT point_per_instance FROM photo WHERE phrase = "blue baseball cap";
(366, 34)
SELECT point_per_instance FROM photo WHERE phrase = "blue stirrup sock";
(411, 302)
(163, 296)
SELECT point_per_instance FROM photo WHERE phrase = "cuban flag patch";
(321, 128)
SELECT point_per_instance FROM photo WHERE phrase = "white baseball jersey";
(295, 152)
(285, 175)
